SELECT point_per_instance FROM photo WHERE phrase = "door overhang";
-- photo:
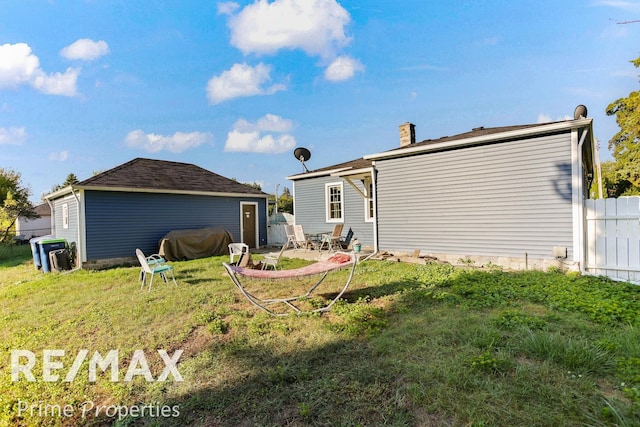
(352, 177)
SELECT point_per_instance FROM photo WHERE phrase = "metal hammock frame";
(338, 261)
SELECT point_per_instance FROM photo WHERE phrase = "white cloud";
(176, 143)
(59, 157)
(252, 142)
(227, 8)
(342, 68)
(631, 6)
(57, 83)
(545, 118)
(247, 137)
(18, 65)
(85, 50)
(268, 123)
(241, 80)
(12, 136)
(315, 26)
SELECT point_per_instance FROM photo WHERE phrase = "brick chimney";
(407, 134)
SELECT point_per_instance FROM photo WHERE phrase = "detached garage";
(136, 204)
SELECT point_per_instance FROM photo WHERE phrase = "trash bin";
(47, 246)
(59, 260)
(35, 249)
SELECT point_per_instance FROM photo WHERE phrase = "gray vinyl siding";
(501, 199)
(310, 209)
(118, 222)
(69, 234)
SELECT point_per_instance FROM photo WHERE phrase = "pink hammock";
(338, 261)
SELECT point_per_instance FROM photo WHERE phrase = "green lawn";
(410, 345)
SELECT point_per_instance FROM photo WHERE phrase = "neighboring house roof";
(164, 176)
(43, 209)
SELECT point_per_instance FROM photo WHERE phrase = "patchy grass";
(408, 345)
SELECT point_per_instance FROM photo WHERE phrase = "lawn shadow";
(333, 384)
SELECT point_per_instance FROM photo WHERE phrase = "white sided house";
(28, 228)
(511, 196)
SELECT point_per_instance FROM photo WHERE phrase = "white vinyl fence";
(613, 237)
(276, 235)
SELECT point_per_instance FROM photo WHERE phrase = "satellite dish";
(580, 112)
(302, 154)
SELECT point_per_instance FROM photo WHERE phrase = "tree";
(71, 180)
(625, 145)
(14, 201)
(254, 185)
(285, 201)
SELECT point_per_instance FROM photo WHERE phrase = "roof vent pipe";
(407, 134)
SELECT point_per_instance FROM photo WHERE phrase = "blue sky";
(234, 87)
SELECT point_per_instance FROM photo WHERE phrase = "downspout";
(78, 248)
(581, 224)
(374, 179)
(53, 217)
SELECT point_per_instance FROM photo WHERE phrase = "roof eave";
(61, 192)
(551, 127)
(156, 191)
(352, 172)
(316, 174)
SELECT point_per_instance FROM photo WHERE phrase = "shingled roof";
(158, 175)
(475, 132)
(365, 163)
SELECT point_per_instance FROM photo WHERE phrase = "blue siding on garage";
(118, 222)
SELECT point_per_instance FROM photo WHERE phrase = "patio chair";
(344, 243)
(271, 259)
(236, 250)
(301, 239)
(289, 230)
(156, 267)
(332, 240)
(154, 259)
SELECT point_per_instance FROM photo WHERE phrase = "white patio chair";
(157, 268)
(301, 239)
(291, 236)
(236, 250)
(271, 259)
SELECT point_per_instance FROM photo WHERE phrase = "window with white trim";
(334, 202)
(369, 211)
(65, 215)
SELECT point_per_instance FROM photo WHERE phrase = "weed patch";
(512, 319)
(358, 318)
